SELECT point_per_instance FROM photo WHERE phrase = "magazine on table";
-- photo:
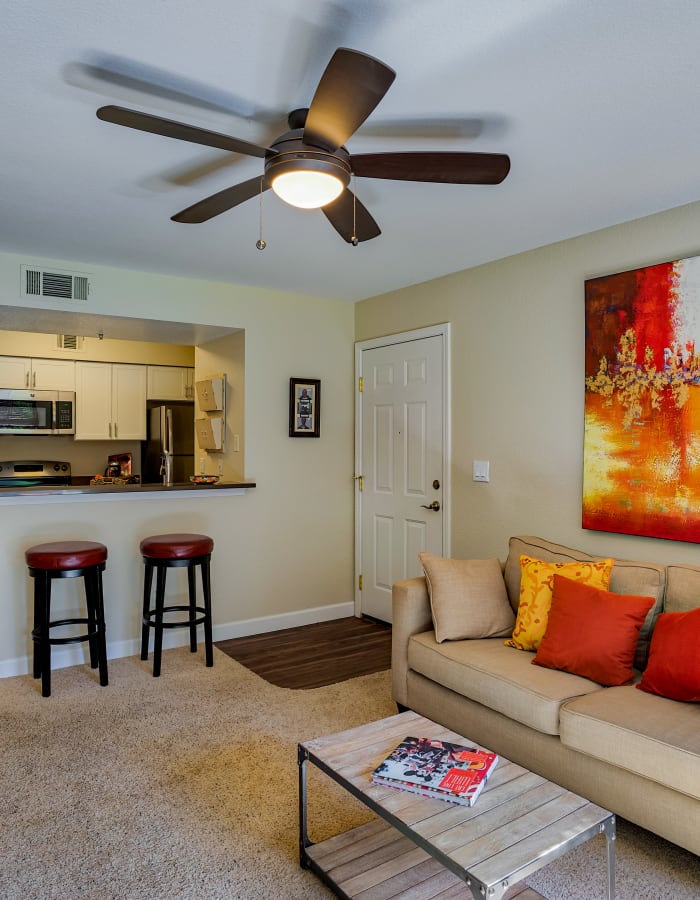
(437, 769)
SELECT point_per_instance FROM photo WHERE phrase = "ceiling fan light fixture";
(309, 179)
(307, 189)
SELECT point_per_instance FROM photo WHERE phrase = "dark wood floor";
(315, 655)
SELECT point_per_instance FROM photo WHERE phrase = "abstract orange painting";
(641, 472)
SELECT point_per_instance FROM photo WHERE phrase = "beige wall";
(284, 550)
(22, 343)
(517, 381)
(225, 356)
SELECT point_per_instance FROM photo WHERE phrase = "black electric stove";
(19, 473)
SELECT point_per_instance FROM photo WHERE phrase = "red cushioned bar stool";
(67, 559)
(162, 552)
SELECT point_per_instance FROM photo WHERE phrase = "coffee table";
(419, 847)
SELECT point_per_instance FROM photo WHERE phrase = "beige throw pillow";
(468, 598)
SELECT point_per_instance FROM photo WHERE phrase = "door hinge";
(359, 582)
(360, 482)
(360, 384)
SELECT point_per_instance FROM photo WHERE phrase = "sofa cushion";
(653, 737)
(536, 580)
(674, 657)
(468, 598)
(592, 633)
(683, 589)
(627, 577)
(492, 674)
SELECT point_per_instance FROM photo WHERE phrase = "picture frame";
(304, 407)
(642, 401)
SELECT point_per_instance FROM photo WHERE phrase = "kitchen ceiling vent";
(57, 283)
(70, 341)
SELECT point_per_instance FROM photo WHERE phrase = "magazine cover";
(437, 769)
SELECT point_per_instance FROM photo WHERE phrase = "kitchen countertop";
(78, 489)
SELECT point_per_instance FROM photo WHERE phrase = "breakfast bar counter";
(77, 490)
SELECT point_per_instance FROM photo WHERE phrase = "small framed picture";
(304, 407)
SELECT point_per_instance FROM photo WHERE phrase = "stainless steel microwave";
(37, 412)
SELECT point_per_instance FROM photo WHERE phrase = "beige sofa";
(635, 753)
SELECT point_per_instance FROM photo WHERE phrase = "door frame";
(441, 330)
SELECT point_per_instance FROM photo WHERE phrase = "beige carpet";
(185, 787)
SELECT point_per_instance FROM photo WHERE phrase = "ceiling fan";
(309, 166)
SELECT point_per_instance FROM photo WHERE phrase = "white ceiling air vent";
(69, 341)
(63, 285)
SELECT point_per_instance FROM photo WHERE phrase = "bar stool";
(162, 552)
(67, 559)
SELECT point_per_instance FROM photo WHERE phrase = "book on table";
(437, 769)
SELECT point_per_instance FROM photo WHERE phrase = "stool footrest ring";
(183, 623)
(71, 639)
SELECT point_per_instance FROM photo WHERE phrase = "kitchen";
(125, 414)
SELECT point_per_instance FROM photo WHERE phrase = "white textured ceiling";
(595, 101)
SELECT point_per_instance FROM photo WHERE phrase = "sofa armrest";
(411, 614)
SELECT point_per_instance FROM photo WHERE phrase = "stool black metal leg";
(102, 629)
(147, 584)
(158, 628)
(44, 642)
(92, 616)
(39, 617)
(206, 590)
(192, 593)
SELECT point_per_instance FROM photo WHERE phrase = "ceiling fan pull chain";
(353, 240)
(260, 243)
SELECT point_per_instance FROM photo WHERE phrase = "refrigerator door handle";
(168, 432)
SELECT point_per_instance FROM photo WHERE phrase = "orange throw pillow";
(673, 669)
(536, 594)
(592, 633)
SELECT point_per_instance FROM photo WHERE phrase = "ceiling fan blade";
(222, 201)
(350, 88)
(351, 219)
(130, 118)
(449, 168)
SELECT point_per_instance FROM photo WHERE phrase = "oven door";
(27, 412)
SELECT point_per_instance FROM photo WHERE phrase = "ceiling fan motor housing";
(291, 154)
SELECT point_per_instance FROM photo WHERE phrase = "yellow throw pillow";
(536, 583)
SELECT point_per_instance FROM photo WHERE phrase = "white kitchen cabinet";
(41, 374)
(110, 402)
(170, 383)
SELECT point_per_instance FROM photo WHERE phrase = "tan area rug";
(185, 786)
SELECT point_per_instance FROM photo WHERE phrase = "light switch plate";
(480, 470)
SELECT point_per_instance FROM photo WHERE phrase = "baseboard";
(76, 655)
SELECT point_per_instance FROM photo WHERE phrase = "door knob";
(435, 506)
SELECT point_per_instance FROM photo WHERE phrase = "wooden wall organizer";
(211, 427)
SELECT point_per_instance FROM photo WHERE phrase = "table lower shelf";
(375, 861)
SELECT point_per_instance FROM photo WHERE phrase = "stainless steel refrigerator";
(167, 457)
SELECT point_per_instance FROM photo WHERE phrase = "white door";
(401, 495)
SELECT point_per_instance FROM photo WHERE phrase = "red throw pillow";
(674, 657)
(592, 632)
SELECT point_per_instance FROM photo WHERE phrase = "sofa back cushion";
(627, 577)
(683, 588)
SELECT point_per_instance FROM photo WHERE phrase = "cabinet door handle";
(115, 429)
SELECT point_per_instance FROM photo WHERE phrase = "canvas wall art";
(642, 402)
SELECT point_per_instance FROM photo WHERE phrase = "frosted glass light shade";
(307, 189)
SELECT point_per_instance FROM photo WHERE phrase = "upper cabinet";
(170, 383)
(22, 372)
(110, 402)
